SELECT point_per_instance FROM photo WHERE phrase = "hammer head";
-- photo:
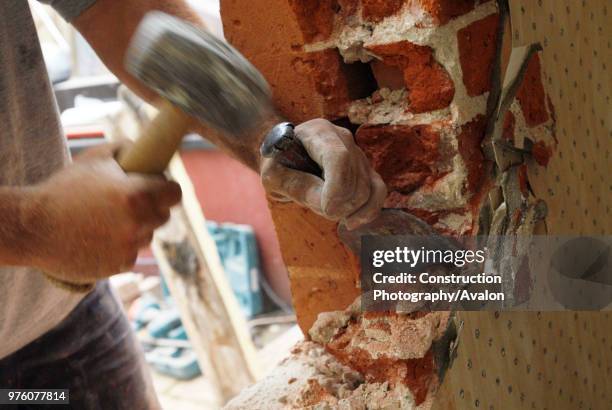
(203, 75)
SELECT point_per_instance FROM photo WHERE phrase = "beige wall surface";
(553, 360)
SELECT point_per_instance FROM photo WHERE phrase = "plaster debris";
(385, 347)
(455, 223)
(350, 43)
(313, 379)
(328, 324)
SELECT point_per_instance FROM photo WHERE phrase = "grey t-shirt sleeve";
(69, 9)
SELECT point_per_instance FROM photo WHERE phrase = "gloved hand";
(351, 190)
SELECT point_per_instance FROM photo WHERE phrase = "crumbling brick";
(405, 156)
(477, 44)
(429, 85)
(305, 85)
(388, 76)
(376, 10)
(442, 11)
(315, 394)
(470, 139)
(401, 352)
(531, 95)
(315, 17)
(336, 83)
(541, 153)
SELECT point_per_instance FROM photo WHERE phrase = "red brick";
(418, 374)
(273, 54)
(305, 85)
(445, 10)
(508, 127)
(541, 153)
(403, 53)
(406, 157)
(388, 76)
(531, 95)
(442, 11)
(470, 149)
(315, 17)
(429, 85)
(477, 47)
(376, 10)
(337, 83)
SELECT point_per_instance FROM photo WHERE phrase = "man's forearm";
(16, 215)
(244, 148)
(109, 25)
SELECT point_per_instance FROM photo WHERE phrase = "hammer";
(203, 76)
(197, 74)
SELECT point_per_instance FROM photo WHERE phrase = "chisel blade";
(389, 222)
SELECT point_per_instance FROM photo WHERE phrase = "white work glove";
(351, 191)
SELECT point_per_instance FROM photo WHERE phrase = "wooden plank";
(189, 261)
(230, 329)
(208, 309)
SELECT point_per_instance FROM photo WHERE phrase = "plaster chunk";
(313, 379)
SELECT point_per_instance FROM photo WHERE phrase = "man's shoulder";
(69, 9)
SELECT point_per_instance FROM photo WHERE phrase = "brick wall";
(410, 76)
(412, 79)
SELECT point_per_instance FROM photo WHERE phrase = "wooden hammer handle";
(150, 154)
(153, 150)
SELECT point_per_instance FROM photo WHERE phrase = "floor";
(196, 394)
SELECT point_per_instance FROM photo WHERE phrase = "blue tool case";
(239, 255)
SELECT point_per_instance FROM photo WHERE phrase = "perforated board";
(559, 360)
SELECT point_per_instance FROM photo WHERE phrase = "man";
(85, 221)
